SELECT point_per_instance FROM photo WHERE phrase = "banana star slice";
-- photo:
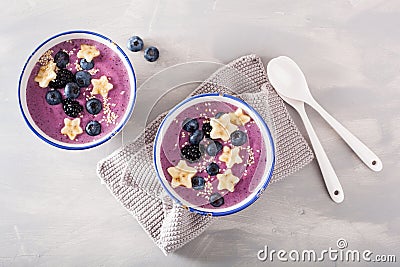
(227, 181)
(239, 118)
(222, 127)
(46, 74)
(181, 174)
(88, 52)
(72, 128)
(230, 156)
(101, 86)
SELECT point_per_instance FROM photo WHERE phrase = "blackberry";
(191, 152)
(64, 76)
(71, 107)
(207, 129)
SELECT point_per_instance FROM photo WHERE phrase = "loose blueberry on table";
(135, 44)
(151, 54)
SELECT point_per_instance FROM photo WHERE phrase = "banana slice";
(46, 74)
(238, 117)
(88, 52)
(72, 128)
(230, 156)
(101, 86)
(181, 174)
(222, 127)
(227, 181)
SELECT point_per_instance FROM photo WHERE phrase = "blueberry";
(93, 128)
(238, 138)
(72, 90)
(191, 152)
(83, 78)
(212, 169)
(190, 125)
(198, 183)
(219, 114)
(151, 54)
(86, 65)
(61, 59)
(207, 128)
(53, 97)
(93, 106)
(196, 137)
(135, 44)
(216, 199)
(213, 148)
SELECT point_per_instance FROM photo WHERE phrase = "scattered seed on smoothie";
(93, 71)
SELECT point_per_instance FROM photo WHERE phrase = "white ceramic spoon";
(289, 81)
(328, 173)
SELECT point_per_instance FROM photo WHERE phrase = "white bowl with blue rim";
(33, 59)
(265, 133)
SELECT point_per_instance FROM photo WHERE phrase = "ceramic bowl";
(26, 75)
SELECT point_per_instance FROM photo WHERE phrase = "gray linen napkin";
(130, 176)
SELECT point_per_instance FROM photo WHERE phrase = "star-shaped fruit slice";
(239, 118)
(72, 128)
(46, 74)
(227, 181)
(230, 156)
(181, 174)
(88, 52)
(101, 86)
(222, 127)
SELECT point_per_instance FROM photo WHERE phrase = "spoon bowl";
(289, 81)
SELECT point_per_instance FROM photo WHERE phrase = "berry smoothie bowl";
(214, 154)
(77, 90)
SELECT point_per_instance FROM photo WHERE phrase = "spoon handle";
(331, 180)
(361, 150)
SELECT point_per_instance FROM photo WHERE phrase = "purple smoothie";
(50, 119)
(250, 171)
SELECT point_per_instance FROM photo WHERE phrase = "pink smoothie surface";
(50, 119)
(250, 171)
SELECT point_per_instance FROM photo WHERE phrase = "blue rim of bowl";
(259, 192)
(113, 133)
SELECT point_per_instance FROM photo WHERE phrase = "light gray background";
(54, 211)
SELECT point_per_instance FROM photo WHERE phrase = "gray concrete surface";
(54, 211)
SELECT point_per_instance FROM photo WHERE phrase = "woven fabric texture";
(130, 175)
